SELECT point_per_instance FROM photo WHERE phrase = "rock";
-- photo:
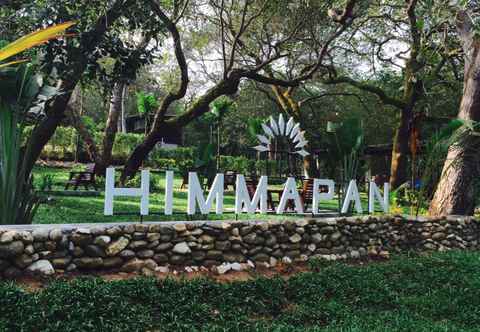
(102, 241)
(160, 258)
(115, 231)
(295, 238)
(236, 267)
(40, 235)
(78, 252)
(206, 239)
(253, 238)
(163, 246)
(336, 236)
(145, 253)
(150, 264)
(151, 237)
(84, 231)
(12, 273)
(132, 265)
(97, 230)
(61, 263)
(214, 254)
(7, 237)
(317, 238)
(50, 245)
(222, 269)
(146, 272)
(139, 236)
(384, 254)
(438, 236)
(11, 249)
(71, 267)
(223, 245)
(198, 255)
(271, 240)
(94, 251)
(127, 229)
(327, 229)
(261, 258)
(41, 267)
(286, 260)
(115, 247)
(140, 244)
(25, 237)
(88, 262)
(3, 264)
(162, 269)
(55, 234)
(273, 261)
(111, 262)
(141, 228)
(354, 254)
(127, 254)
(29, 249)
(180, 228)
(81, 239)
(177, 259)
(181, 248)
(23, 261)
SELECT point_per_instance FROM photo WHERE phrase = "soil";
(30, 283)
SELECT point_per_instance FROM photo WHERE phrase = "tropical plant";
(23, 94)
(146, 105)
(346, 143)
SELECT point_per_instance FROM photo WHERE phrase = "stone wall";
(148, 247)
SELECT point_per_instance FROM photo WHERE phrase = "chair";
(306, 194)
(85, 178)
(252, 188)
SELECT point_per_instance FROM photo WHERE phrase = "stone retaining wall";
(152, 247)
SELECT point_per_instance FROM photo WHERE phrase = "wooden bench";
(85, 178)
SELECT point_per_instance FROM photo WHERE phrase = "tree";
(455, 193)
(68, 62)
(425, 50)
(234, 22)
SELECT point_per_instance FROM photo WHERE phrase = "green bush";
(440, 292)
(240, 165)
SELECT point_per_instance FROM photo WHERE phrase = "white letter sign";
(373, 193)
(195, 195)
(352, 195)
(290, 192)
(110, 192)
(318, 196)
(242, 196)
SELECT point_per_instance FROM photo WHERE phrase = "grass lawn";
(73, 209)
(434, 293)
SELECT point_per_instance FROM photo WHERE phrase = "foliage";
(146, 103)
(417, 293)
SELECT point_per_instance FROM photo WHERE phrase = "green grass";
(72, 209)
(435, 293)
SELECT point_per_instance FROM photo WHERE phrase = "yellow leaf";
(33, 39)
(12, 63)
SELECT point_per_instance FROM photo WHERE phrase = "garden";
(239, 165)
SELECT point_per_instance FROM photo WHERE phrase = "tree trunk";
(198, 108)
(76, 121)
(46, 128)
(111, 128)
(400, 149)
(121, 120)
(455, 191)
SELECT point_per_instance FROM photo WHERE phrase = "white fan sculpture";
(290, 130)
